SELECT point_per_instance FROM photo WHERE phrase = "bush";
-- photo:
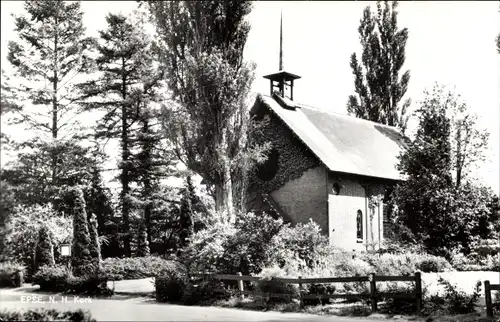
(272, 284)
(433, 264)
(22, 232)
(61, 279)
(52, 278)
(8, 272)
(117, 269)
(454, 301)
(46, 315)
(206, 291)
(171, 283)
(228, 248)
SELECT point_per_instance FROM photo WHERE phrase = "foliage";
(454, 301)
(171, 283)
(293, 158)
(52, 278)
(116, 269)
(498, 43)
(378, 85)
(44, 249)
(8, 272)
(206, 291)
(230, 248)
(30, 173)
(123, 91)
(143, 245)
(469, 143)
(7, 205)
(272, 284)
(208, 120)
(186, 220)
(22, 232)
(302, 241)
(51, 50)
(81, 256)
(95, 245)
(61, 279)
(47, 315)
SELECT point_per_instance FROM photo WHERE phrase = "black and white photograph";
(234, 160)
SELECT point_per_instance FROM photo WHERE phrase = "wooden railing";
(374, 296)
(487, 296)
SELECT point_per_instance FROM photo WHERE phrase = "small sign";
(65, 250)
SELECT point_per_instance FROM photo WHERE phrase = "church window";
(359, 225)
(267, 170)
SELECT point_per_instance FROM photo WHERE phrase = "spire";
(281, 41)
(282, 81)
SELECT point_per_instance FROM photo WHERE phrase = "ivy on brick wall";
(294, 157)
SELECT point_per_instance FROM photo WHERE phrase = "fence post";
(418, 291)
(300, 292)
(487, 296)
(241, 287)
(373, 292)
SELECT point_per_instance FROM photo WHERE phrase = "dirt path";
(146, 309)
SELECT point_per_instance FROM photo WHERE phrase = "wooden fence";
(374, 296)
(487, 296)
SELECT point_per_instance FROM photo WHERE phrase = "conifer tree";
(44, 249)
(126, 82)
(378, 84)
(48, 58)
(95, 246)
(81, 256)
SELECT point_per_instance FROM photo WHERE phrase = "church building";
(334, 169)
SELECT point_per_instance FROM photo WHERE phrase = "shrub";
(22, 233)
(52, 278)
(272, 284)
(454, 301)
(171, 283)
(206, 291)
(8, 272)
(433, 264)
(47, 315)
(44, 250)
(116, 269)
(231, 248)
(80, 252)
(61, 279)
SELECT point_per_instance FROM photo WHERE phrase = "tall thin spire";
(281, 41)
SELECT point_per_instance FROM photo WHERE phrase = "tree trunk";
(55, 105)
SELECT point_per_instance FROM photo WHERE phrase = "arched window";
(359, 225)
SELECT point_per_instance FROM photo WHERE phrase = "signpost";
(65, 251)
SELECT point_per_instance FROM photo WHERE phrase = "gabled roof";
(342, 143)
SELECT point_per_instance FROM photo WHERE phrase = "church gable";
(288, 157)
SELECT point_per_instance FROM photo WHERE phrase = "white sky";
(452, 43)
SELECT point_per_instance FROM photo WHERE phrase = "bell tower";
(282, 81)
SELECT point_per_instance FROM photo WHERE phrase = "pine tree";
(207, 123)
(81, 256)
(44, 249)
(95, 246)
(51, 51)
(377, 80)
(126, 82)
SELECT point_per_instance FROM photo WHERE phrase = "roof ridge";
(346, 116)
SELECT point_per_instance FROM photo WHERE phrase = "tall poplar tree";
(378, 84)
(127, 80)
(207, 122)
